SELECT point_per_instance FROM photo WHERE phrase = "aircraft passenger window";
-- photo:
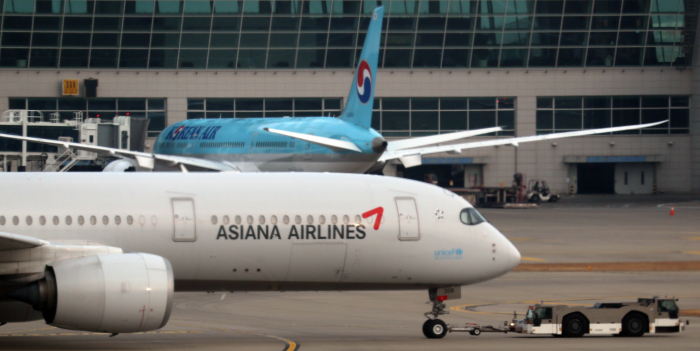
(225, 219)
(105, 220)
(297, 219)
(310, 219)
(321, 219)
(249, 219)
(29, 220)
(69, 220)
(238, 219)
(2, 220)
(15, 220)
(358, 219)
(334, 219)
(81, 220)
(213, 219)
(273, 219)
(117, 220)
(55, 220)
(471, 216)
(346, 219)
(142, 220)
(261, 219)
(93, 220)
(42, 220)
(285, 219)
(129, 220)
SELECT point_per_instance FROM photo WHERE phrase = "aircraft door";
(184, 223)
(409, 228)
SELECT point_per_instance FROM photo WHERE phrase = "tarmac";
(581, 230)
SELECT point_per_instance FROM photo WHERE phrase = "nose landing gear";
(435, 328)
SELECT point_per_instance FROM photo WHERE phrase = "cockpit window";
(471, 216)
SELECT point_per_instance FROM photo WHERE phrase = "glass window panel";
(567, 119)
(156, 104)
(665, 6)
(249, 104)
(545, 38)
(518, 23)
(629, 57)
(605, 22)
(285, 23)
(550, 7)
(453, 120)
(346, 23)
(578, 6)
(339, 39)
(429, 39)
(602, 38)
(544, 120)
(45, 23)
(661, 56)
(137, 23)
(194, 40)
(165, 40)
(41, 104)
(281, 58)
(483, 58)
(310, 58)
(431, 23)
(314, 23)
(312, 39)
(395, 104)
(607, 6)
(156, 121)
(596, 119)
(17, 22)
(79, 7)
(257, 7)
(542, 57)
(520, 6)
(102, 104)
(462, 7)
(16, 39)
(634, 22)
(654, 101)
(140, 7)
(402, 24)
(547, 23)
(133, 39)
(655, 115)
(196, 24)
(193, 59)
(458, 39)
(256, 23)
(278, 104)
(399, 39)
(258, 40)
(72, 104)
(78, 23)
(42, 39)
(76, 39)
(666, 37)
(339, 58)
(632, 38)
(481, 119)
(195, 104)
(625, 101)
(635, 6)
(19, 6)
(198, 6)
(219, 104)
(489, 22)
(109, 7)
(168, 6)
(107, 24)
(44, 58)
(680, 118)
(308, 104)
(131, 104)
(567, 102)
(251, 58)
(195, 115)
(48, 6)
(681, 101)
(402, 7)
(663, 21)
(133, 58)
(424, 103)
(506, 120)
(227, 6)
(395, 120)
(571, 57)
(573, 38)
(332, 104)
(225, 24)
(487, 39)
(513, 57)
(545, 102)
(596, 102)
(516, 39)
(398, 58)
(460, 23)
(424, 120)
(482, 103)
(575, 22)
(104, 58)
(222, 59)
(167, 23)
(453, 103)
(600, 57)
(224, 40)
(286, 7)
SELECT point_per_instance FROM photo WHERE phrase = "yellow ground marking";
(290, 345)
(690, 313)
(692, 252)
(692, 238)
(533, 259)
(520, 239)
(28, 330)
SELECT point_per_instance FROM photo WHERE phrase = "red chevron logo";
(379, 211)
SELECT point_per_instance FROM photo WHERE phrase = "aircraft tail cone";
(673, 212)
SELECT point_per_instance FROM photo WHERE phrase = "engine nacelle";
(122, 165)
(114, 293)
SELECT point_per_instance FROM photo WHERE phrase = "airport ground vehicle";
(647, 315)
(538, 191)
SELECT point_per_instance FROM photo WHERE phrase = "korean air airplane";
(310, 144)
(104, 252)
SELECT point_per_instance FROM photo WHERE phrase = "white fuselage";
(191, 219)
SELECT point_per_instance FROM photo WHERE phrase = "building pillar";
(695, 119)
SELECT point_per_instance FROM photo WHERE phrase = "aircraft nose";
(513, 255)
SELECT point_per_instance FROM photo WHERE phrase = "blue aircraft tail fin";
(358, 108)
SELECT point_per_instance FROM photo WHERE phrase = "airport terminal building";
(529, 66)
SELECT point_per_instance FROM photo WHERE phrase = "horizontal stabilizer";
(333, 144)
(16, 242)
(436, 139)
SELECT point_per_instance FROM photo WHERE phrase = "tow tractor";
(647, 315)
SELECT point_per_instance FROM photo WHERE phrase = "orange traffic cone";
(673, 213)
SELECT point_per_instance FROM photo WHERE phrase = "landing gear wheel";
(633, 325)
(475, 332)
(434, 329)
(574, 326)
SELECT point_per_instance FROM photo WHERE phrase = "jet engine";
(122, 165)
(113, 293)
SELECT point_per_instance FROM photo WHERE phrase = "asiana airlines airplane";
(304, 144)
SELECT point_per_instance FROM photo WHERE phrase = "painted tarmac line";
(28, 330)
(692, 252)
(289, 344)
(532, 259)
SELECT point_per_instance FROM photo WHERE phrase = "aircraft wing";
(412, 157)
(333, 144)
(16, 242)
(144, 159)
(436, 139)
